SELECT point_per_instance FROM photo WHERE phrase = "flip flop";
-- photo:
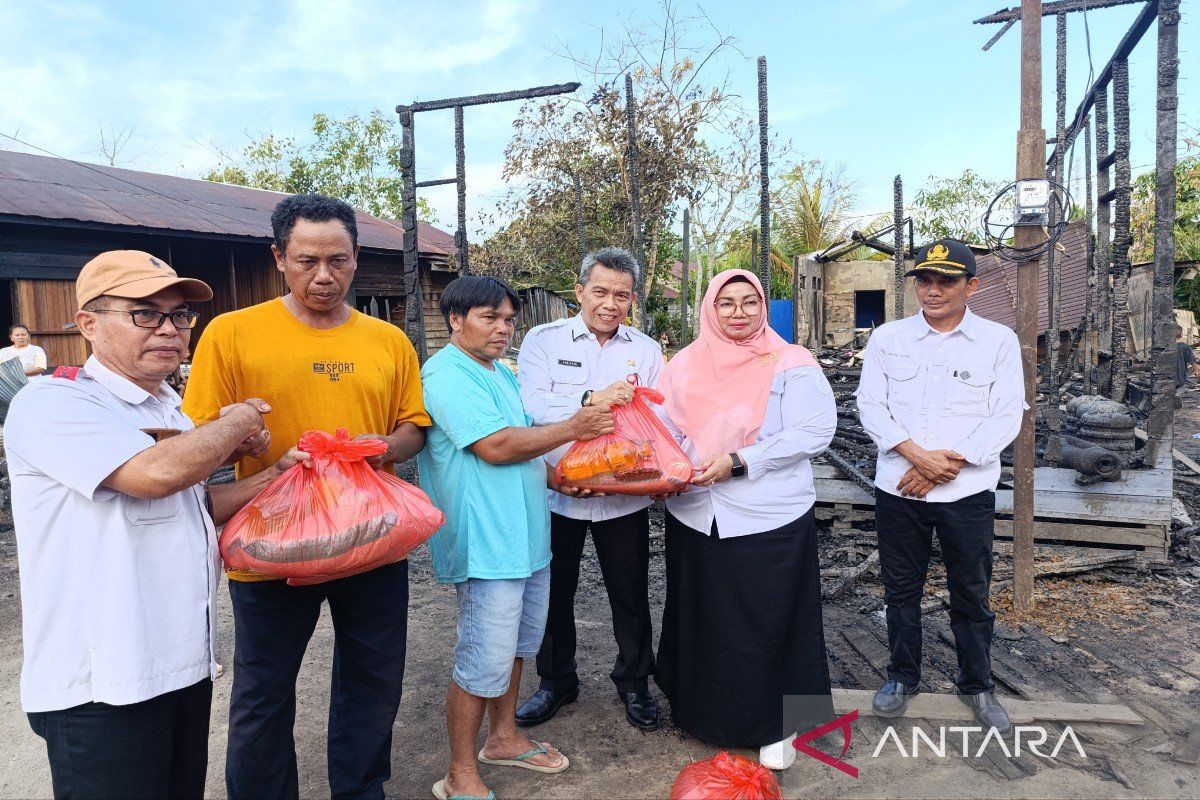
(442, 793)
(522, 761)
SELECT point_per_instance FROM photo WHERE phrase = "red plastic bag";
(726, 777)
(337, 518)
(638, 457)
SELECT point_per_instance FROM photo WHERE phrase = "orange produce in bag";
(726, 777)
(638, 457)
(335, 518)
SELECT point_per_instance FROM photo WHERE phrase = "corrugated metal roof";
(59, 189)
(996, 297)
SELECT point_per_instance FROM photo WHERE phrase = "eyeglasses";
(149, 318)
(749, 307)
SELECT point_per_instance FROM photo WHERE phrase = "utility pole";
(1031, 164)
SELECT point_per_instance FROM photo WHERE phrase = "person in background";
(322, 365)
(1185, 365)
(942, 393)
(483, 467)
(117, 551)
(32, 357)
(585, 360)
(742, 652)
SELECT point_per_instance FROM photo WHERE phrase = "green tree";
(356, 159)
(1187, 213)
(952, 208)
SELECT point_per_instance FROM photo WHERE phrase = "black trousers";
(153, 749)
(272, 625)
(965, 529)
(623, 550)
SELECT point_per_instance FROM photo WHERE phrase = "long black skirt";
(742, 652)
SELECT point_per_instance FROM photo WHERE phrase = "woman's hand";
(714, 470)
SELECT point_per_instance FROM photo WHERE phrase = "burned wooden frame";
(414, 319)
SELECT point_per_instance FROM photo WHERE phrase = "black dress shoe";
(892, 699)
(641, 709)
(988, 711)
(543, 705)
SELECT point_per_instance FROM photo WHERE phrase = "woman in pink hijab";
(742, 653)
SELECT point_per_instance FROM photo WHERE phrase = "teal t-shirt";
(497, 520)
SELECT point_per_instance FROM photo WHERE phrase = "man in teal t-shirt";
(482, 466)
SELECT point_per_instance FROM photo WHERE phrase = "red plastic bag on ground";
(337, 518)
(726, 777)
(638, 457)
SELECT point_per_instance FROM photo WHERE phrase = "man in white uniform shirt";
(941, 396)
(580, 361)
(117, 550)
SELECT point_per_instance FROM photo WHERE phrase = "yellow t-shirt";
(362, 376)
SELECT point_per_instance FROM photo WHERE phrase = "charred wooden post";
(579, 215)
(1104, 318)
(898, 244)
(683, 279)
(460, 178)
(414, 299)
(635, 202)
(1053, 332)
(1160, 425)
(764, 197)
(1121, 237)
(1089, 313)
(1031, 153)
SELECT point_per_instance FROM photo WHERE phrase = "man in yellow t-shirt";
(320, 365)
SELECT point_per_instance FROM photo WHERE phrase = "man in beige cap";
(116, 545)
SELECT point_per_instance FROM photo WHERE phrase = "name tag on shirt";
(567, 363)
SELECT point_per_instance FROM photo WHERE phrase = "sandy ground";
(610, 759)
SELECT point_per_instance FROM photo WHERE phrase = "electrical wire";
(1000, 243)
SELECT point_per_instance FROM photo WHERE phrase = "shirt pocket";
(969, 390)
(903, 387)
(154, 512)
(569, 375)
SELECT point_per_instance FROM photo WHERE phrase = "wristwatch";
(586, 400)
(739, 466)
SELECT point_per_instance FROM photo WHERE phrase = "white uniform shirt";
(961, 391)
(117, 594)
(561, 360)
(30, 356)
(777, 488)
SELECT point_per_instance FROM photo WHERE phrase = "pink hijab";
(717, 389)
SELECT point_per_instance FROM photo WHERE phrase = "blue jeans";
(498, 621)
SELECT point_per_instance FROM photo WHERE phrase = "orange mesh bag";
(638, 457)
(336, 518)
(726, 777)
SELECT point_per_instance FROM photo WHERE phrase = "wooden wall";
(47, 306)
(538, 306)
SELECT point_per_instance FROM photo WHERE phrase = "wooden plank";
(1138, 482)
(1021, 712)
(831, 491)
(1097, 534)
(1102, 508)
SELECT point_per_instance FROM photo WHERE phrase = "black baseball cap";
(945, 256)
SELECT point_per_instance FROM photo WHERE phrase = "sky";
(883, 87)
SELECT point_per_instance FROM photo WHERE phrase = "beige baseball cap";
(133, 274)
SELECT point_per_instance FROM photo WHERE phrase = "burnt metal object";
(1098, 439)
(635, 201)
(414, 317)
(764, 196)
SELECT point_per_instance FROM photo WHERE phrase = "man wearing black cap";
(942, 393)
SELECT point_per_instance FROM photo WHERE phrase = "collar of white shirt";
(967, 326)
(579, 328)
(125, 389)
